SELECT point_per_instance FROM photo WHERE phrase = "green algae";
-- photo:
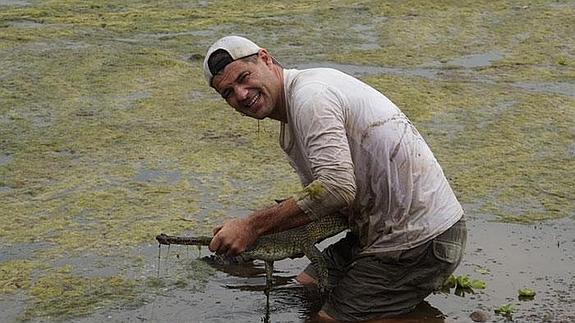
(415, 32)
(95, 93)
(187, 273)
(60, 294)
(194, 275)
(16, 275)
(314, 191)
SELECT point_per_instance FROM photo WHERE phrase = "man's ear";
(265, 55)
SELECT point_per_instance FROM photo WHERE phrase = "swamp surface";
(109, 136)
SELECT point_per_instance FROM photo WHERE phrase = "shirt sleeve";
(319, 123)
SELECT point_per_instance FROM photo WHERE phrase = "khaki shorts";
(388, 284)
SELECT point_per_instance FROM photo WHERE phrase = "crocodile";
(293, 243)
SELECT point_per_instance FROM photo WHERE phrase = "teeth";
(253, 100)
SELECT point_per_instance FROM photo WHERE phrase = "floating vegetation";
(191, 274)
(462, 285)
(109, 134)
(483, 271)
(184, 273)
(506, 311)
(62, 294)
(526, 294)
(16, 275)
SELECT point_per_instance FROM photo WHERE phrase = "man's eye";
(226, 94)
(244, 77)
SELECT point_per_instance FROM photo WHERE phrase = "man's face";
(249, 86)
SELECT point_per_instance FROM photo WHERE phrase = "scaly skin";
(286, 244)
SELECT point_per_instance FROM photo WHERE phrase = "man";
(363, 158)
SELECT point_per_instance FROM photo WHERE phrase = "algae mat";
(109, 135)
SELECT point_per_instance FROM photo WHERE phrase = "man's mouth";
(253, 101)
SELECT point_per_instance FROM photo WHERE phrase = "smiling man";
(363, 159)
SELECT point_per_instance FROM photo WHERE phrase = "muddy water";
(507, 257)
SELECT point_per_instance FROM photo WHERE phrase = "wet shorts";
(388, 284)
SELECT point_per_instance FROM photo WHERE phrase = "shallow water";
(507, 257)
(14, 3)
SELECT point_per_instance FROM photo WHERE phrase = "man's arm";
(319, 121)
(238, 234)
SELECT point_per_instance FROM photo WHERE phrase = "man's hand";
(233, 237)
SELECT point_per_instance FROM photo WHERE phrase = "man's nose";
(242, 93)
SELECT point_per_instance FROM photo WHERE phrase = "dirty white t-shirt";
(367, 159)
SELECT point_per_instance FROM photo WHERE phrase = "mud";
(109, 136)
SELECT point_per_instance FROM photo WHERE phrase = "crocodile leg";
(269, 276)
(319, 264)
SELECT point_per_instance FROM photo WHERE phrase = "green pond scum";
(61, 294)
(109, 134)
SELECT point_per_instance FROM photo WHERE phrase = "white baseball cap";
(227, 50)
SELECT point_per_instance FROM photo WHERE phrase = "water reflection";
(287, 295)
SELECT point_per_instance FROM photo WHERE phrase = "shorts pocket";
(447, 251)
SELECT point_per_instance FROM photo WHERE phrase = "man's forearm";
(280, 217)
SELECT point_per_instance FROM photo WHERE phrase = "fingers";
(215, 244)
(231, 238)
(223, 245)
(233, 251)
